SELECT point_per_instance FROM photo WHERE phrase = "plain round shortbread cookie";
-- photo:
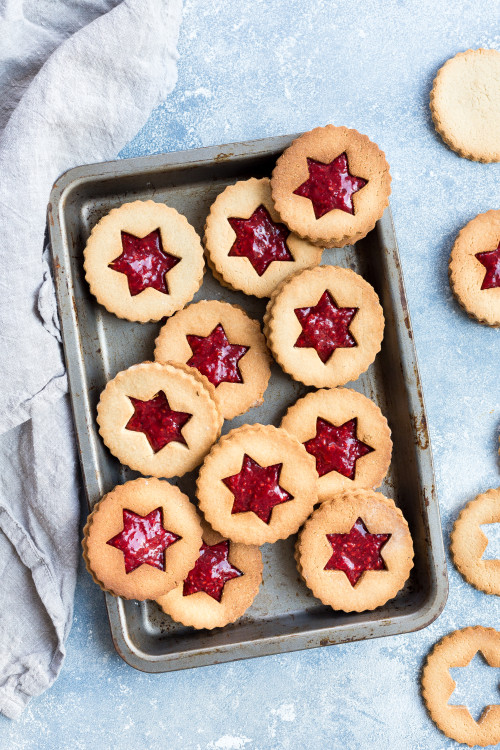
(465, 104)
(456, 650)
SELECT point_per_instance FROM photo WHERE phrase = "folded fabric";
(92, 95)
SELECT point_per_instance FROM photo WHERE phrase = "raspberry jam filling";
(160, 423)
(215, 357)
(491, 261)
(144, 262)
(356, 551)
(256, 488)
(143, 540)
(260, 239)
(325, 327)
(330, 186)
(211, 571)
(336, 448)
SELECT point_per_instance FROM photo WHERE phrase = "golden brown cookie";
(247, 245)
(141, 539)
(468, 542)
(143, 261)
(475, 268)
(456, 650)
(226, 346)
(355, 552)
(159, 419)
(331, 186)
(465, 104)
(257, 484)
(324, 326)
(348, 436)
(220, 587)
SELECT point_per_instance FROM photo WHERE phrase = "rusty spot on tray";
(420, 430)
(49, 214)
(223, 156)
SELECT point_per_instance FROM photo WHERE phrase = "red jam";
(336, 448)
(160, 423)
(211, 571)
(145, 262)
(215, 357)
(330, 186)
(325, 327)
(143, 540)
(256, 488)
(491, 261)
(356, 551)
(260, 239)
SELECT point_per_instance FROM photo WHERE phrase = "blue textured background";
(252, 69)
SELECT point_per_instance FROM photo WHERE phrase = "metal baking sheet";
(285, 616)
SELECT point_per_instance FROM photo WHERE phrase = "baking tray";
(285, 616)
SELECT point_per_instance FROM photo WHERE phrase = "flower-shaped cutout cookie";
(248, 247)
(143, 261)
(348, 436)
(457, 650)
(468, 542)
(226, 346)
(159, 419)
(220, 587)
(324, 326)
(141, 539)
(257, 484)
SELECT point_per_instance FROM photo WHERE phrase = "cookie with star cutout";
(331, 186)
(474, 268)
(324, 326)
(468, 542)
(143, 261)
(247, 245)
(348, 436)
(142, 539)
(220, 587)
(457, 650)
(224, 344)
(355, 552)
(257, 485)
(465, 104)
(159, 419)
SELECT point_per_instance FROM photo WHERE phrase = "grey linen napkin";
(77, 81)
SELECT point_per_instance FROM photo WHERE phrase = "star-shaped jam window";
(160, 423)
(260, 239)
(336, 448)
(256, 488)
(143, 540)
(145, 263)
(356, 551)
(215, 357)
(491, 261)
(330, 186)
(211, 571)
(325, 327)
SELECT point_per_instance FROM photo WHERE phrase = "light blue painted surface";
(252, 69)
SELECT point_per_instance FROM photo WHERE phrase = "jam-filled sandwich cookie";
(457, 650)
(257, 485)
(331, 186)
(348, 436)
(159, 419)
(142, 539)
(468, 542)
(220, 587)
(226, 346)
(143, 261)
(475, 268)
(248, 247)
(324, 326)
(355, 552)
(465, 104)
